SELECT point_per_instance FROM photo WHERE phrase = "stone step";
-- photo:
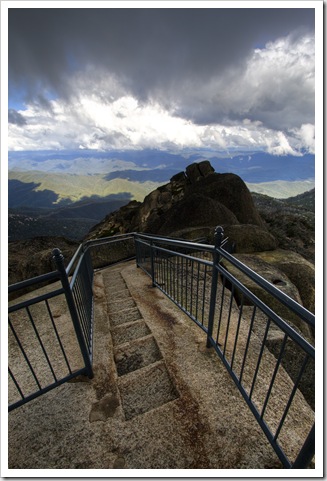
(125, 316)
(114, 282)
(136, 355)
(146, 389)
(129, 332)
(121, 304)
(119, 294)
(112, 288)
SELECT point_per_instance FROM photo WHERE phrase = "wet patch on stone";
(119, 462)
(126, 333)
(104, 409)
(136, 355)
(146, 389)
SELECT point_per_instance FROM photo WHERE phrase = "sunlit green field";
(75, 187)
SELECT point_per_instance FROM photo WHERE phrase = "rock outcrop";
(196, 198)
(300, 271)
(247, 238)
(33, 257)
(293, 226)
(278, 278)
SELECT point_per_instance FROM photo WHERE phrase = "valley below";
(67, 193)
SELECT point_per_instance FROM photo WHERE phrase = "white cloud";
(279, 145)
(306, 137)
(274, 85)
(126, 124)
(268, 102)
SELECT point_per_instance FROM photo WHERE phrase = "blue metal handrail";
(192, 275)
(166, 259)
(81, 312)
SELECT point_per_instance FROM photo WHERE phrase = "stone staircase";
(159, 399)
(144, 382)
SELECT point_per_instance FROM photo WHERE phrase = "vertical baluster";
(281, 353)
(228, 319)
(259, 358)
(221, 309)
(247, 342)
(41, 343)
(219, 232)
(192, 273)
(197, 292)
(237, 331)
(204, 293)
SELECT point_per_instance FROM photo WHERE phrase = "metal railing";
(266, 346)
(265, 343)
(107, 251)
(48, 347)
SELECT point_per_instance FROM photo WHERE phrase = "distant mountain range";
(78, 188)
(159, 166)
(56, 178)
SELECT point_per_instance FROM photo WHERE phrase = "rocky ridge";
(290, 221)
(32, 257)
(198, 198)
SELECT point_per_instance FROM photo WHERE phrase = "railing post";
(88, 262)
(59, 261)
(307, 452)
(218, 237)
(137, 250)
(152, 262)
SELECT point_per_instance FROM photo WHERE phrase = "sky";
(227, 79)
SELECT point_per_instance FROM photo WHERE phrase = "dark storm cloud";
(159, 54)
(16, 118)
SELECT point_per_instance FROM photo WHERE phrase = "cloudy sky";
(167, 78)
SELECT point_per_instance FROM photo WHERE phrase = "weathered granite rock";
(232, 192)
(247, 238)
(276, 277)
(117, 222)
(178, 178)
(194, 233)
(178, 185)
(177, 205)
(195, 171)
(300, 271)
(33, 257)
(293, 225)
(206, 168)
(195, 211)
